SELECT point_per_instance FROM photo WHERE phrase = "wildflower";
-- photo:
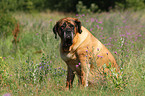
(83, 14)
(110, 37)
(91, 29)
(77, 65)
(115, 52)
(98, 26)
(1, 58)
(101, 28)
(107, 53)
(97, 49)
(77, 15)
(96, 20)
(101, 56)
(86, 50)
(50, 20)
(100, 22)
(7, 94)
(92, 20)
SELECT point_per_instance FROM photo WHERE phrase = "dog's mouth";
(67, 43)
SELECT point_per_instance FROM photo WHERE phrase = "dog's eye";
(71, 26)
(62, 27)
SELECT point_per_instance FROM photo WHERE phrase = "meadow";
(33, 66)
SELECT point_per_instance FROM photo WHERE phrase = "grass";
(34, 66)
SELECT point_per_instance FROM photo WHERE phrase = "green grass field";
(34, 66)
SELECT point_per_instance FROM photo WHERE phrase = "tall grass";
(34, 67)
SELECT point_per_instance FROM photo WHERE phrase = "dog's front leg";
(70, 78)
(85, 68)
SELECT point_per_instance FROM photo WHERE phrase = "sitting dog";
(82, 52)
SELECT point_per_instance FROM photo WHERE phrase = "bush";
(83, 9)
(7, 24)
(131, 4)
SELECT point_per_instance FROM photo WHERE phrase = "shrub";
(83, 9)
(7, 24)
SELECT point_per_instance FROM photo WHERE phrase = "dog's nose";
(68, 37)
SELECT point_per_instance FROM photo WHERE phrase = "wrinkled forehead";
(66, 22)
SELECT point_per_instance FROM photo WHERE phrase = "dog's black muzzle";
(68, 39)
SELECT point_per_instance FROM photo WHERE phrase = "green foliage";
(131, 4)
(7, 24)
(81, 9)
(70, 5)
(135, 4)
(3, 72)
(114, 79)
(38, 73)
(8, 5)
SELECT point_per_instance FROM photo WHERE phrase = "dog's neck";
(79, 39)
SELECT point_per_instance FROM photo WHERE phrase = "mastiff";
(84, 54)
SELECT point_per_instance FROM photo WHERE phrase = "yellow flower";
(1, 58)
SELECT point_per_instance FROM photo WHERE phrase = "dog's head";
(67, 28)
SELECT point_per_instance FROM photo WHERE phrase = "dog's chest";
(67, 56)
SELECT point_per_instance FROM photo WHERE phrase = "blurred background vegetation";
(8, 23)
(70, 5)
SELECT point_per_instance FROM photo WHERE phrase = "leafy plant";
(3, 72)
(7, 24)
(83, 9)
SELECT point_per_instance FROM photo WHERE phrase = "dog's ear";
(78, 23)
(55, 30)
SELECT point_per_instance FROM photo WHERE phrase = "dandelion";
(1, 58)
